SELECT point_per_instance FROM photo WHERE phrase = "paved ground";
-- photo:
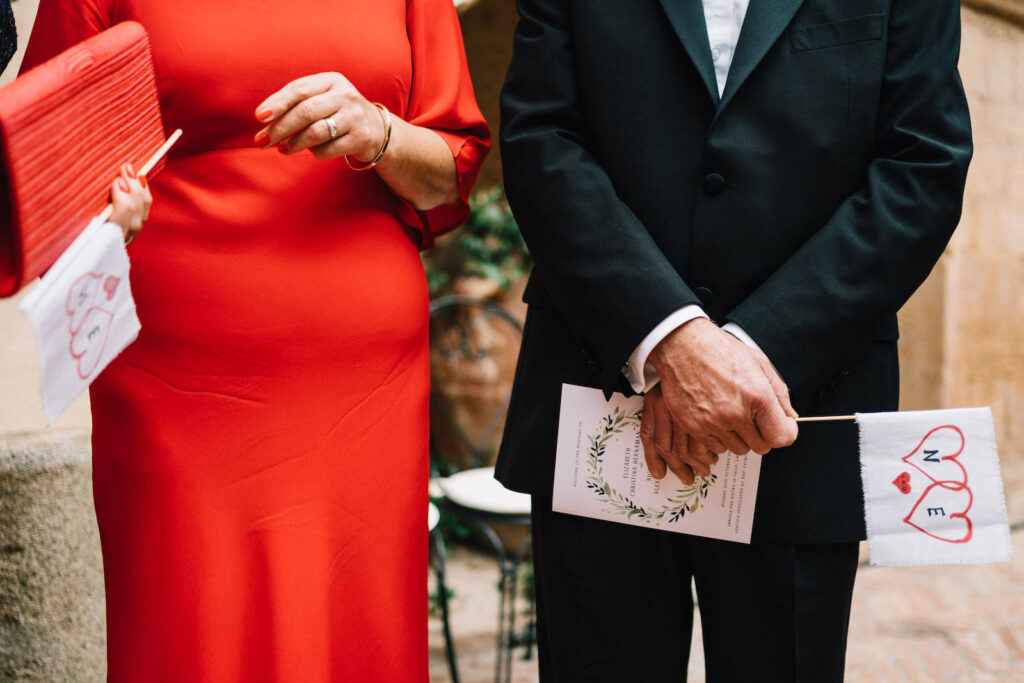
(927, 624)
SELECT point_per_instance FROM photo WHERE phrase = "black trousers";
(614, 604)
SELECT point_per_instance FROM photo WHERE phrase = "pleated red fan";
(66, 127)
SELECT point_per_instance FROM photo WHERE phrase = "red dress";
(260, 453)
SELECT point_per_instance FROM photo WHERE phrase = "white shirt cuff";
(741, 334)
(647, 377)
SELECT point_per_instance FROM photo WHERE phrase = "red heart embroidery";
(110, 286)
(902, 482)
(941, 512)
(936, 456)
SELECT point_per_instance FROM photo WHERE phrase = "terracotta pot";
(472, 360)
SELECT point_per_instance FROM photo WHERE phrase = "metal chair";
(437, 563)
(474, 346)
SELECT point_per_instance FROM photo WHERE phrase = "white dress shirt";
(724, 19)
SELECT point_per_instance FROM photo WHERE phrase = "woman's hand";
(131, 198)
(298, 116)
(327, 115)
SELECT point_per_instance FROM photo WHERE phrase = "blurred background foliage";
(488, 246)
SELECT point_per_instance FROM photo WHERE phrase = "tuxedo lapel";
(764, 23)
(687, 19)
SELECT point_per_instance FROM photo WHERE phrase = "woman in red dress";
(260, 453)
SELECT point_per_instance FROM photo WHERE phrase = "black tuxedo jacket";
(805, 204)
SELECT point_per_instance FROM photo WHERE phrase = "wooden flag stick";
(147, 167)
(826, 418)
(171, 139)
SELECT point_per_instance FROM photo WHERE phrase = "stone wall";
(51, 577)
(1010, 11)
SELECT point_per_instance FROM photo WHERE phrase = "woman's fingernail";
(264, 114)
(143, 181)
(122, 185)
(129, 170)
(261, 139)
(282, 148)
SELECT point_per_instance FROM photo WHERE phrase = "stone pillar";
(52, 618)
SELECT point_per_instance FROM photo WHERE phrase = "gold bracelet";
(386, 116)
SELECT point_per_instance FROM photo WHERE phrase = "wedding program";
(600, 472)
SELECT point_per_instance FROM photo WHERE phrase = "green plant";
(489, 246)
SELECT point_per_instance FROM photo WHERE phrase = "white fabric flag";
(933, 493)
(82, 313)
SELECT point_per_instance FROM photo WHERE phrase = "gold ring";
(332, 127)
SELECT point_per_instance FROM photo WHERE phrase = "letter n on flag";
(933, 493)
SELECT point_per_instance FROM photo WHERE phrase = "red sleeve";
(442, 99)
(62, 23)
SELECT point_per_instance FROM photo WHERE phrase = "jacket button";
(706, 296)
(714, 183)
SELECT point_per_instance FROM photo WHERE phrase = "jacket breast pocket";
(845, 32)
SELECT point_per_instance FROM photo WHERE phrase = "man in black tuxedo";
(727, 205)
